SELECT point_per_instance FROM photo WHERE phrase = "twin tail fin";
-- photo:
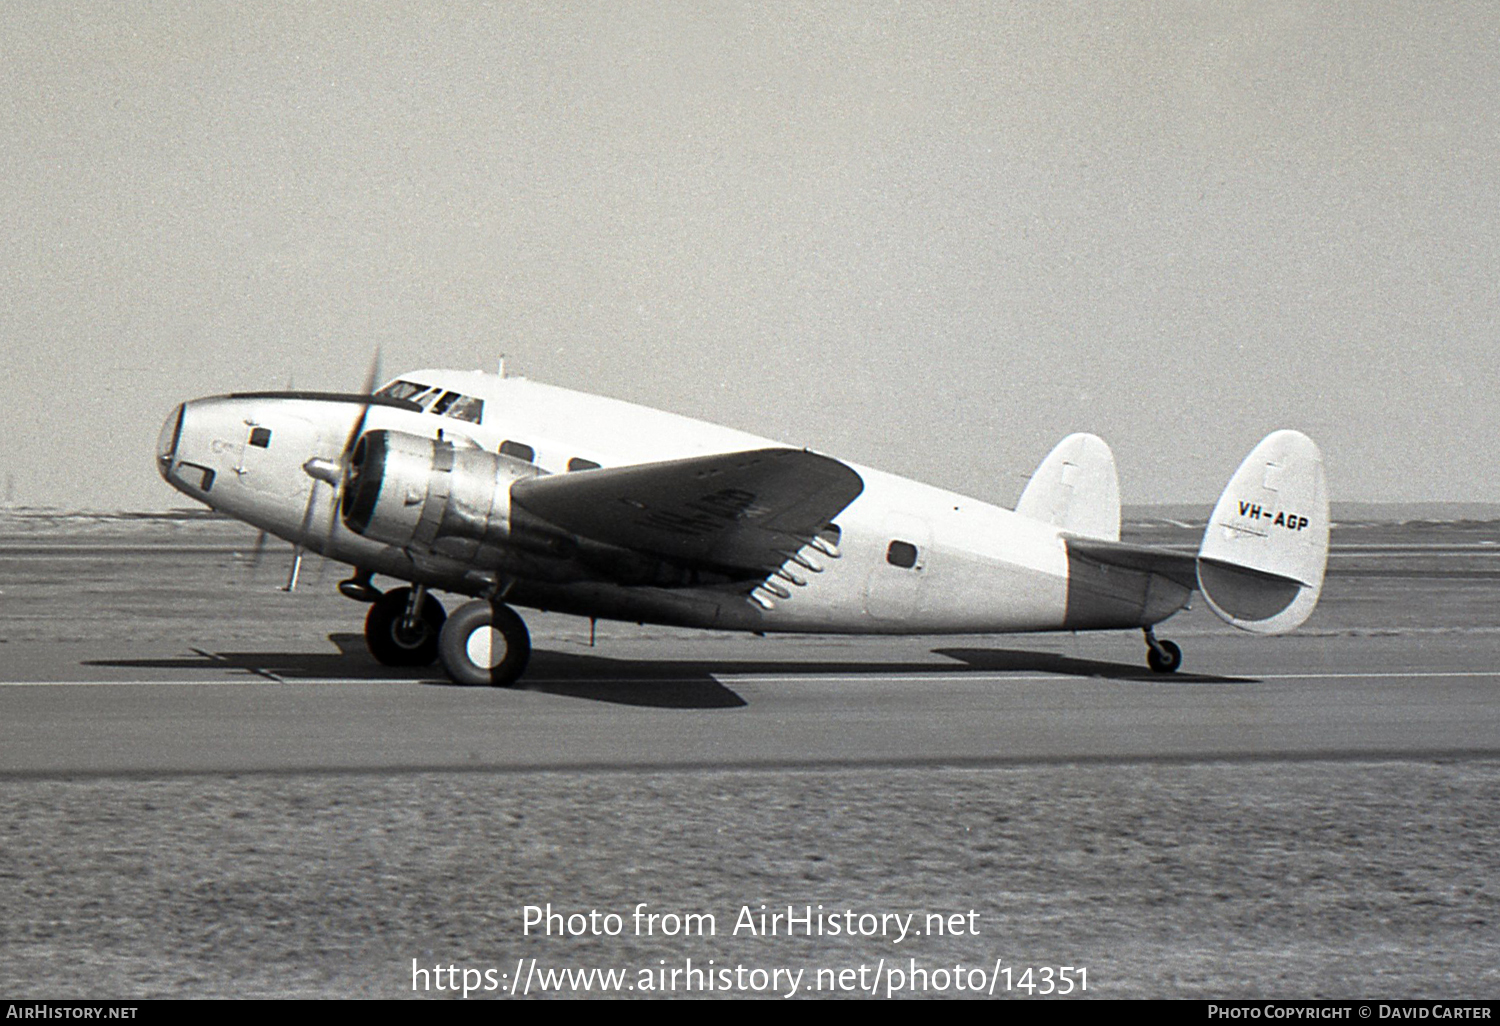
(1261, 562)
(1263, 556)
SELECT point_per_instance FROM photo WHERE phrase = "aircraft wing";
(1178, 567)
(737, 511)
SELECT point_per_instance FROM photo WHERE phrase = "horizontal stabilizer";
(1181, 567)
(1261, 563)
(1076, 489)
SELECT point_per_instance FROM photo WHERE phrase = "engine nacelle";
(431, 494)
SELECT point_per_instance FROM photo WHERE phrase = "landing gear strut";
(485, 643)
(402, 627)
(1161, 656)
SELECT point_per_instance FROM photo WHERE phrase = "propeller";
(258, 553)
(334, 474)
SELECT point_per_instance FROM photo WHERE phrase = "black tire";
(393, 645)
(467, 645)
(1165, 661)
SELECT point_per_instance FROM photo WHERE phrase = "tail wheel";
(485, 643)
(395, 643)
(1164, 657)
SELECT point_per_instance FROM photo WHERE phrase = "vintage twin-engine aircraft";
(522, 494)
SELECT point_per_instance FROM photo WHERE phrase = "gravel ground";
(1260, 879)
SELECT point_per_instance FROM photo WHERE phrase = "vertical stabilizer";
(1263, 555)
(1076, 489)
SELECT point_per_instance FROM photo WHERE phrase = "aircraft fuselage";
(912, 558)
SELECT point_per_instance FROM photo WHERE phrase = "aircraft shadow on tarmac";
(1021, 661)
(658, 683)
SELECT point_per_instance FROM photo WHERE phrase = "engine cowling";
(430, 494)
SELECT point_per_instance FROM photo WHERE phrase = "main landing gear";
(485, 643)
(482, 643)
(403, 626)
(1162, 656)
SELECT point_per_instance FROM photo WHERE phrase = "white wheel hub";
(485, 647)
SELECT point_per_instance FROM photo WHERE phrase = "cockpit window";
(434, 399)
(467, 408)
(402, 389)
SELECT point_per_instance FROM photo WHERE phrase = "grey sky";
(930, 238)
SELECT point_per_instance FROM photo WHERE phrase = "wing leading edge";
(741, 512)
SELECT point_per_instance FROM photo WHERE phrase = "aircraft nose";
(166, 442)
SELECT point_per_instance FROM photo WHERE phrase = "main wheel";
(485, 643)
(1165, 661)
(391, 642)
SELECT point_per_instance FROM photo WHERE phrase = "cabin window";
(520, 450)
(902, 554)
(579, 463)
(260, 437)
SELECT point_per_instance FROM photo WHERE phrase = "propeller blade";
(259, 550)
(307, 516)
(372, 378)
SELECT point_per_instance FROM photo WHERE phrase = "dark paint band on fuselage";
(1105, 597)
(331, 397)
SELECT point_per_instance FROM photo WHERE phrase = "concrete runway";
(682, 700)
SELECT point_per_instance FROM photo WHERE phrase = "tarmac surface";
(662, 702)
(158, 646)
